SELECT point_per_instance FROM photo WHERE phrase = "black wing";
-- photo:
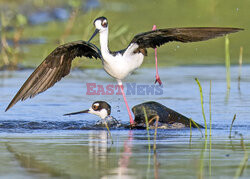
(152, 39)
(56, 66)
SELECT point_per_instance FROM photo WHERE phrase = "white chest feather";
(120, 66)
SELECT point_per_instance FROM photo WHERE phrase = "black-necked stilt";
(117, 64)
(103, 110)
(167, 117)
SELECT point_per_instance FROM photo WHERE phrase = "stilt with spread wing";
(117, 64)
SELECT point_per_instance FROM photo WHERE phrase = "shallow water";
(57, 148)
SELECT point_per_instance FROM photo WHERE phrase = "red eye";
(104, 24)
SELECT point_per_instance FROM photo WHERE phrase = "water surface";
(53, 150)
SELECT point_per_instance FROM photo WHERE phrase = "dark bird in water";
(117, 64)
(167, 118)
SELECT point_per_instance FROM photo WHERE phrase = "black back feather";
(155, 38)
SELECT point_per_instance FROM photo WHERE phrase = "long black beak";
(74, 113)
(94, 34)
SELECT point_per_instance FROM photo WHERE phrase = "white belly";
(120, 66)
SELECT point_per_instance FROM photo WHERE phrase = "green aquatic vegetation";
(147, 127)
(210, 129)
(210, 155)
(190, 126)
(109, 133)
(202, 108)
(210, 109)
(202, 155)
(156, 118)
(191, 120)
(243, 163)
(227, 62)
(205, 142)
(190, 138)
(155, 135)
(240, 65)
(5, 47)
(230, 134)
(149, 145)
(10, 55)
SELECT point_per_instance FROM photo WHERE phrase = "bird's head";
(101, 24)
(99, 108)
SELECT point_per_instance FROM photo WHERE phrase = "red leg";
(156, 66)
(125, 100)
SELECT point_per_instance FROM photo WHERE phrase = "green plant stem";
(210, 129)
(147, 127)
(210, 151)
(190, 138)
(240, 65)
(227, 61)
(202, 158)
(109, 132)
(196, 126)
(155, 135)
(243, 163)
(149, 147)
(232, 126)
(210, 110)
(202, 108)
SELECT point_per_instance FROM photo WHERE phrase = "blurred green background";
(31, 29)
